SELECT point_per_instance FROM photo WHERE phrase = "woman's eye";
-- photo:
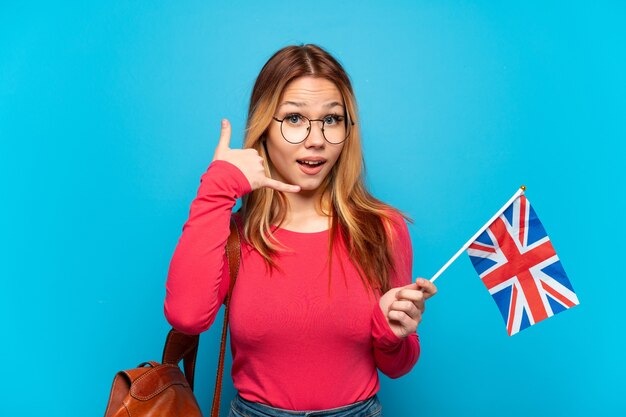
(332, 119)
(293, 118)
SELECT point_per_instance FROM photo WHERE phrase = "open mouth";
(311, 163)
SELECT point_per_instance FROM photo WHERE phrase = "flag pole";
(473, 238)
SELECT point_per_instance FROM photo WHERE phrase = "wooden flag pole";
(482, 229)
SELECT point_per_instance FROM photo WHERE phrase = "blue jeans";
(240, 407)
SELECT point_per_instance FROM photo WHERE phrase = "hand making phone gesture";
(249, 162)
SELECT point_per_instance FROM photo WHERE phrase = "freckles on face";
(309, 162)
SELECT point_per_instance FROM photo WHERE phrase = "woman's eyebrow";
(333, 104)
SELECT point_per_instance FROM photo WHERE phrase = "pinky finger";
(280, 186)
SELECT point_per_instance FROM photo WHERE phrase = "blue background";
(109, 114)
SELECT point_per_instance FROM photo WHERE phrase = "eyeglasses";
(295, 128)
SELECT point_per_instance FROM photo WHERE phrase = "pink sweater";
(294, 345)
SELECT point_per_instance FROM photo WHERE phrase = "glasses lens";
(295, 128)
(336, 129)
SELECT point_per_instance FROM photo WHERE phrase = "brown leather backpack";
(161, 389)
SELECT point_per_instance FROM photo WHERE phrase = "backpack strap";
(233, 253)
(180, 346)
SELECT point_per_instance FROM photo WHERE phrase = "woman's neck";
(304, 213)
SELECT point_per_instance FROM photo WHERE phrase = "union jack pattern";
(517, 263)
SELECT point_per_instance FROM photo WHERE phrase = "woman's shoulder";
(395, 222)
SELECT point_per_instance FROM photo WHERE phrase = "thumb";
(224, 142)
(412, 286)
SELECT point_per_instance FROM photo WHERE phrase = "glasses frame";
(348, 130)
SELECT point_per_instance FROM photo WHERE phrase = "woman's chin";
(308, 187)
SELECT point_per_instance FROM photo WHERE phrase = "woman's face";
(314, 98)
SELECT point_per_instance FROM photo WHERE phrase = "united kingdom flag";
(517, 263)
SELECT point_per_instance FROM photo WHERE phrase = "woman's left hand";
(403, 306)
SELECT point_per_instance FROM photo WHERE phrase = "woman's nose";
(316, 135)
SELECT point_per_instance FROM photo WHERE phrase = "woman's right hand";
(249, 162)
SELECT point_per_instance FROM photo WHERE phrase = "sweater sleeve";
(396, 356)
(198, 277)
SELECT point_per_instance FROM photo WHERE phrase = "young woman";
(324, 295)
